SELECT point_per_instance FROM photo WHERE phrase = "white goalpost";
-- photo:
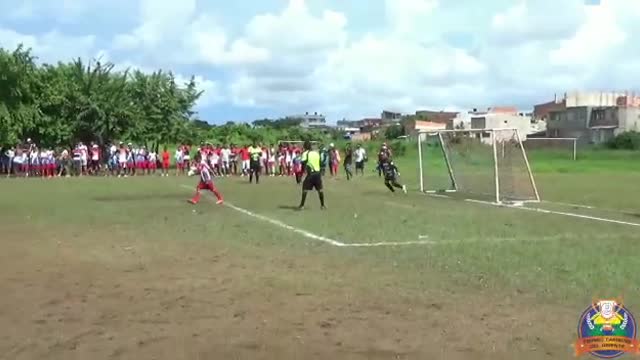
(489, 163)
(563, 146)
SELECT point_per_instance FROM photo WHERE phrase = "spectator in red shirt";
(165, 162)
(244, 156)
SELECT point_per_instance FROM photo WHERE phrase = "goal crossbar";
(487, 162)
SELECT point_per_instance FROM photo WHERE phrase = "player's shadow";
(636, 215)
(287, 207)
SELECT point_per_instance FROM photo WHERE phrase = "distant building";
(390, 116)
(595, 117)
(363, 136)
(542, 111)
(442, 117)
(498, 117)
(519, 122)
(412, 127)
(308, 120)
(366, 124)
(364, 129)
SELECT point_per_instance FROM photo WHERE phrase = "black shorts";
(254, 165)
(359, 164)
(312, 181)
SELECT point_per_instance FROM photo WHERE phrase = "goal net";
(484, 163)
(565, 148)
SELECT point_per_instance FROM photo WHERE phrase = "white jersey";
(226, 154)
(34, 157)
(153, 156)
(359, 154)
(112, 150)
(179, 155)
(122, 156)
(83, 152)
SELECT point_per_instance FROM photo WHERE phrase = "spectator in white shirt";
(360, 156)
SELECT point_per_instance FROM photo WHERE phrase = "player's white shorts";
(245, 164)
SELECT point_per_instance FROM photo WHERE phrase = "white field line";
(569, 204)
(280, 224)
(545, 211)
(311, 235)
(401, 243)
(592, 207)
(548, 238)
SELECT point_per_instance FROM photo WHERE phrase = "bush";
(398, 147)
(629, 140)
(393, 132)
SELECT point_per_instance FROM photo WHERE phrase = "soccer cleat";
(404, 189)
(220, 202)
(300, 208)
(191, 201)
(323, 207)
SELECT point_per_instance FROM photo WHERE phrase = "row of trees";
(77, 101)
(61, 104)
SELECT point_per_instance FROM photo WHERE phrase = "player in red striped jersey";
(206, 183)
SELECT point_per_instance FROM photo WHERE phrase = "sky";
(346, 59)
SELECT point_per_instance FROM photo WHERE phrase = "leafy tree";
(393, 132)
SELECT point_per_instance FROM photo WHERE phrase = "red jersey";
(244, 154)
(165, 156)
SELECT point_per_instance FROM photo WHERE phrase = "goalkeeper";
(391, 174)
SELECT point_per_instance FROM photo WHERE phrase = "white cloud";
(184, 35)
(593, 39)
(333, 71)
(304, 57)
(211, 90)
(537, 20)
(408, 17)
(52, 46)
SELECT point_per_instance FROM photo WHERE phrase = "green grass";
(474, 248)
(507, 248)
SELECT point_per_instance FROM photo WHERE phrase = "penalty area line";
(545, 211)
(384, 243)
(280, 224)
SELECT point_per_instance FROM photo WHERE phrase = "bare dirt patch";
(224, 304)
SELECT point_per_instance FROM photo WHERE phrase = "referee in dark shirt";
(313, 180)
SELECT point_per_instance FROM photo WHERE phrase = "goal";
(560, 147)
(487, 163)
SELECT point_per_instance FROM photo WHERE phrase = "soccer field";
(97, 268)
